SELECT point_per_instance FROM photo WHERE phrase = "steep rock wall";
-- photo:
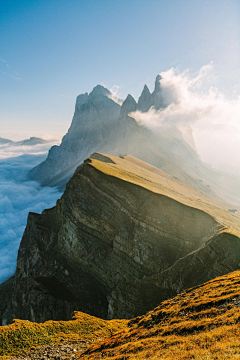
(99, 248)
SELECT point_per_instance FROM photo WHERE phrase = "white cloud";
(8, 151)
(191, 100)
(19, 196)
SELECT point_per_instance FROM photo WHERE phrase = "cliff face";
(106, 246)
(101, 124)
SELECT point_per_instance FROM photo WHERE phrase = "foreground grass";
(23, 334)
(201, 323)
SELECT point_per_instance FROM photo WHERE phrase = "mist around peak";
(190, 104)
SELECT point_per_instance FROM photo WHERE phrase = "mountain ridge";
(100, 124)
(33, 140)
(109, 245)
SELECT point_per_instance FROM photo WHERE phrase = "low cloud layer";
(19, 196)
(214, 118)
(8, 151)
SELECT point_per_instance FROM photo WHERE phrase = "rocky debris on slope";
(63, 351)
(101, 247)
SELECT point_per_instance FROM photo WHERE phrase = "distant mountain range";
(27, 142)
(101, 124)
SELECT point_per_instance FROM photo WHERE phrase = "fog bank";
(19, 196)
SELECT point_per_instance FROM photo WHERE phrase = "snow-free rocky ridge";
(123, 237)
(100, 124)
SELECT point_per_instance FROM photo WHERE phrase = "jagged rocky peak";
(81, 99)
(157, 84)
(98, 91)
(156, 95)
(145, 100)
(128, 105)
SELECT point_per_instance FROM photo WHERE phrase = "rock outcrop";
(110, 244)
(100, 124)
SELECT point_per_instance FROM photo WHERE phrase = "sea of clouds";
(19, 196)
(190, 99)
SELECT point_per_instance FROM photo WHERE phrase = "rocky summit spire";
(98, 91)
(128, 105)
(145, 100)
(156, 95)
(157, 84)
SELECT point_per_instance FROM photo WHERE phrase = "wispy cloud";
(12, 76)
(114, 94)
(18, 77)
(191, 100)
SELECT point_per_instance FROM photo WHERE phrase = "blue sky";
(53, 50)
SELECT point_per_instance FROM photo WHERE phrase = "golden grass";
(137, 172)
(201, 323)
(22, 334)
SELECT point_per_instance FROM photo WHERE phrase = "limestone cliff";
(109, 245)
(101, 124)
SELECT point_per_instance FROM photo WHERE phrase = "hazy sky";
(53, 50)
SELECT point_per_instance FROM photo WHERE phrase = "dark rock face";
(220, 255)
(109, 248)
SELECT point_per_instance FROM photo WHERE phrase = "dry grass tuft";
(201, 323)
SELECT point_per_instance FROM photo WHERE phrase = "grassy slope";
(142, 174)
(201, 323)
(23, 334)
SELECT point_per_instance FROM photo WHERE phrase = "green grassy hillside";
(23, 334)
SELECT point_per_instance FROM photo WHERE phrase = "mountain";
(123, 237)
(27, 142)
(100, 124)
(5, 141)
(32, 141)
